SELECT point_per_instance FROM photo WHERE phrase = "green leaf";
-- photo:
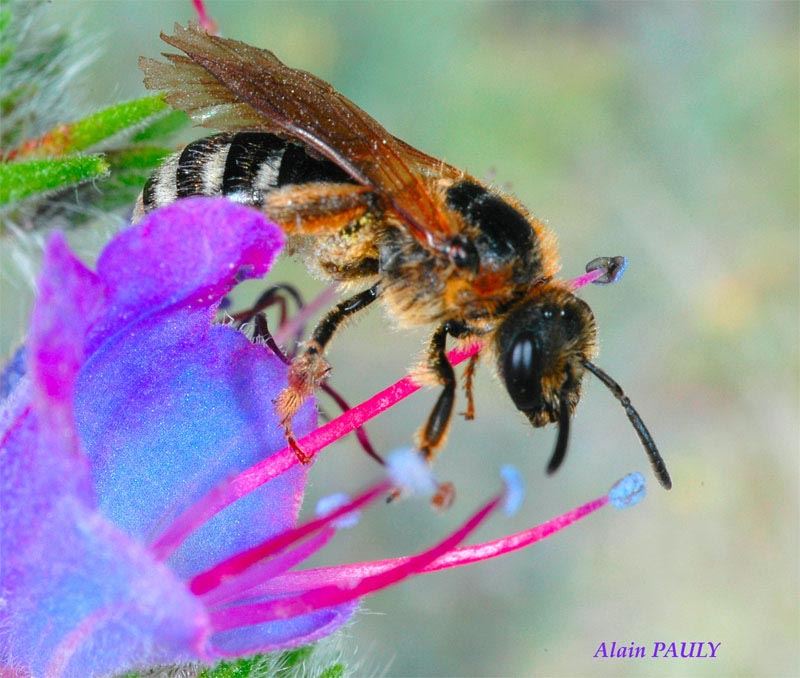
(6, 48)
(99, 126)
(333, 671)
(20, 180)
(283, 665)
(91, 130)
(293, 658)
(239, 668)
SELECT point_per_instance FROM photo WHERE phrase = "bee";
(435, 245)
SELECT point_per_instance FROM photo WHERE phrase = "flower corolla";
(149, 504)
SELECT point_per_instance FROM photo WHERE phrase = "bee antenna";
(656, 461)
(560, 450)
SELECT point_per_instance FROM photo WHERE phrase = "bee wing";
(229, 85)
(427, 165)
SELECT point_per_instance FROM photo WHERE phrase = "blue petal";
(278, 635)
(171, 408)
(168, 406)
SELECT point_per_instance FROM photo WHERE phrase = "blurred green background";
(667, 132)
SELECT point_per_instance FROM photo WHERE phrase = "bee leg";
(317, 208)
(432, 436)
(279, 295)
(469, 377)
(261, 331)
(309, 369)
(275, 295)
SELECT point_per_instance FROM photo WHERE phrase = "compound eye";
(521, 372)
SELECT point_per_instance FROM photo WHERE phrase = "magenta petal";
(68, 302)
(203, 411)
(187, 254)
(80, 598)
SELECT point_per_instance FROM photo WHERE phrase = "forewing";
(229, 85)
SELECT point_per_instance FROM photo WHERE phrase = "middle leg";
(261, 331)
(309, 369)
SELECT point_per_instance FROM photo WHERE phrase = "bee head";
(542, 348)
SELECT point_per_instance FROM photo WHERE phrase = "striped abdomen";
(242, 166)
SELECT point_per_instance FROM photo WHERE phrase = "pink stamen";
(329, 596)
(347, 575)
(213, 577)
(513, 542)
(587, 278)
(254, 477)
(206, 22)
(231, 591)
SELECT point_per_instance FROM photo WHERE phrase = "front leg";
(309, 369)
(431, 437)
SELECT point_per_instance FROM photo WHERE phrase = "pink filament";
(347, 575)
(340, 593)
(232, 590)
(513, 542)
(213, 577)
(587, 278)
(254, 477)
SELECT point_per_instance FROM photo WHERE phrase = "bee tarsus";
(469, 377)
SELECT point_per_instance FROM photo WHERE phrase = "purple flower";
(148, 502)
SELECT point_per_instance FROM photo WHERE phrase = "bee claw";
(302, 457)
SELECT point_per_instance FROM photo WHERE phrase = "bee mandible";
(434, 244)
